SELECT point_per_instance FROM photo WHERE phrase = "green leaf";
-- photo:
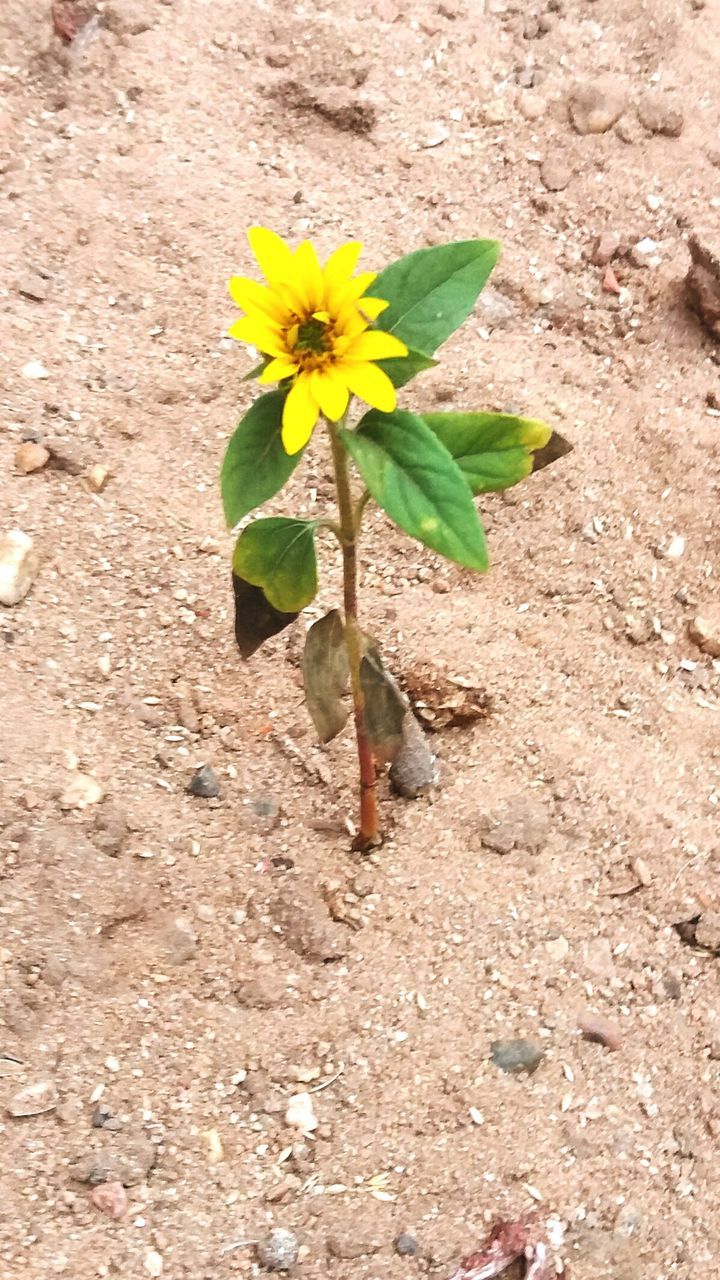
(325, 675)
(255, 465)
(431, 291)
(278, 555)
(255, 618)
(493, 450)
(402, 368)
(413, 477)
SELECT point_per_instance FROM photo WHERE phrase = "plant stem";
(368, 835)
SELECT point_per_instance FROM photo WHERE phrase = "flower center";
(312, 337)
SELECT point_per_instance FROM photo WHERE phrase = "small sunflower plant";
(336, 345)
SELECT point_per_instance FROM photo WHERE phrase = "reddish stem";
(368, 836)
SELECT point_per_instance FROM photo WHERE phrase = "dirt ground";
(174, 969)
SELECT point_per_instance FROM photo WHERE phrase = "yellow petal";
(349, 322)
(369, 383)
(337, 295)
(375, 345)
(330, 390)
(300, 413)
(273, 256)
(276, 370)
(372, 307)
(341, 264)
(251, 296)
(307, 276)
(258, 334)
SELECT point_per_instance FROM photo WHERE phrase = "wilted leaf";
(385, 706)
(556, 447)
(325, 675)
(255, 618)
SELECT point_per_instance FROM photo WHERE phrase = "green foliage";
(415, 480)
(431, 291)
(255, 465)
(278, 555)
(493, 450)
(326, 673)
(402, 369)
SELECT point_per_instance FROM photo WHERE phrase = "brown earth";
(170, 965)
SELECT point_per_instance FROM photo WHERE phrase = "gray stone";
(405, 1245)
(278, 1250)
(204, 783)
(414, 769)
(516, 1056)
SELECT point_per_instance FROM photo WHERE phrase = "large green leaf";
(278, 555)
(402, 368)
(325, 675)
(413, 477)
(493, 450)
(255, 465)
(431, 291)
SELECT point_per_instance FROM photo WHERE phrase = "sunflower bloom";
(312, 323)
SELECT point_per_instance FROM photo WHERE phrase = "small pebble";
(515, 1056)
(278, 1250)
(405, 1245)
(34, 369)
(595, 1026)
(19, 566)
(97, 477)
(555, 173)
(594, 107)
(153, 1263)
(111, 1199)
(33, 286)
(605, 248)
(300, 1113)
(204, 782)
(704, 630)
(30, 457)
(81, 791)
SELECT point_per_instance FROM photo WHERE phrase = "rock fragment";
(702, 282)
(19, 566)
(704, 630)
(594, 1026)
(595, 106)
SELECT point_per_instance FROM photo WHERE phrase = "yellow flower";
(314, 324)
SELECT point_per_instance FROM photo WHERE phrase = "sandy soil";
(175, 967)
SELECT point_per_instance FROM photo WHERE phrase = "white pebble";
(153, 1263)
(34, 369)
(300, 1113)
